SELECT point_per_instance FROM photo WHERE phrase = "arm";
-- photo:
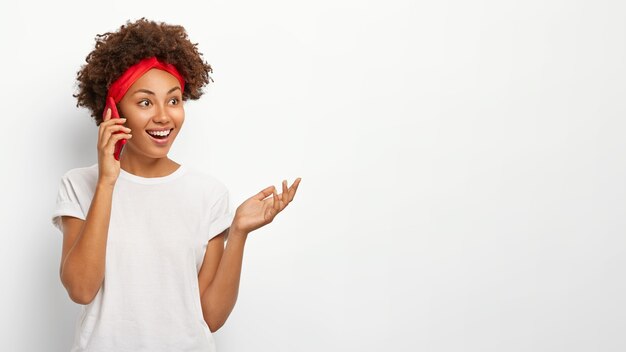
(219, 295)
(211, 261)
(84, 248)
(84, 241)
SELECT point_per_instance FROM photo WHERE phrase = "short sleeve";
(66, 203)
(221, 215)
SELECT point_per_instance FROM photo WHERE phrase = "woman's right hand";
(108, 167)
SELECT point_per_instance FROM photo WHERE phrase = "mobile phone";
(119, 145)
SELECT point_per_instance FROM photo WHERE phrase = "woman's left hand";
(257, 211)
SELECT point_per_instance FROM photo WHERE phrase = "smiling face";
(153, 108)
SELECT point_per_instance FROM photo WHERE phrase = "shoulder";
(78, 184)
(87, 175)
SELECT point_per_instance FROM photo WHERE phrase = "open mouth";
(160, 134)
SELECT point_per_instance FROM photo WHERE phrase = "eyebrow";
(141, 90)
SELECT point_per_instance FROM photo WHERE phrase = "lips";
(160, 140)
(160, 130)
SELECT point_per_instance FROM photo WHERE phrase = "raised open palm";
(257, 211)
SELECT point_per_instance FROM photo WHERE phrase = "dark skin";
(154, 101)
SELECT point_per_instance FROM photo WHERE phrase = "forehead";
(155, 80)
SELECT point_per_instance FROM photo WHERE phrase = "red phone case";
(114, 115)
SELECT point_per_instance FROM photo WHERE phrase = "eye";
(174, 101)
(144, 102)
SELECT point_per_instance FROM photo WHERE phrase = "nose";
(161, 115)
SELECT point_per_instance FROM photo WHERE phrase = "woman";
(143, 236)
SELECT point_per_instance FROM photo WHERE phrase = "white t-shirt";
(158, 234)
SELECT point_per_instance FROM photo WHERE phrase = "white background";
(462, 168)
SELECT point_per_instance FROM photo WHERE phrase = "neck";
(145, 166)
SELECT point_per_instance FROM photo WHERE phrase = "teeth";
(159, 133)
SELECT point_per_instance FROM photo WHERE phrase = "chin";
(150, 152)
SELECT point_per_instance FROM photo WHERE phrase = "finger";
(109, 148)
(285, 194)
(282, 200)
(114, 121)
(107, 117)
(111, 130)
(109, 123)
(263, 194)
(294, 188)
(271, 213)
(116, 137)
(107, 114)
(276, 202)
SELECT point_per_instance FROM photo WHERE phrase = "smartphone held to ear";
(119, 145)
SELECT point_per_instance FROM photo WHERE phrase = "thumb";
(264, 193)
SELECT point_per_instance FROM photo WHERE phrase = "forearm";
(219, 299)
(83, 269)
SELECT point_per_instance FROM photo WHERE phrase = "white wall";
(462, 168)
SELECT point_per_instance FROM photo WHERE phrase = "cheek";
(136, 122)
(179, 116)
(134, 115)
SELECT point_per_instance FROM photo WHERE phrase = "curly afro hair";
(116, 51)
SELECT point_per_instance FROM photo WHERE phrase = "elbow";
(83, 296)
(213, 324)
(216, 314)
(79, 294)
(213, 329)
(80, 298)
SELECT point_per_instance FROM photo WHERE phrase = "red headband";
(123, 83)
